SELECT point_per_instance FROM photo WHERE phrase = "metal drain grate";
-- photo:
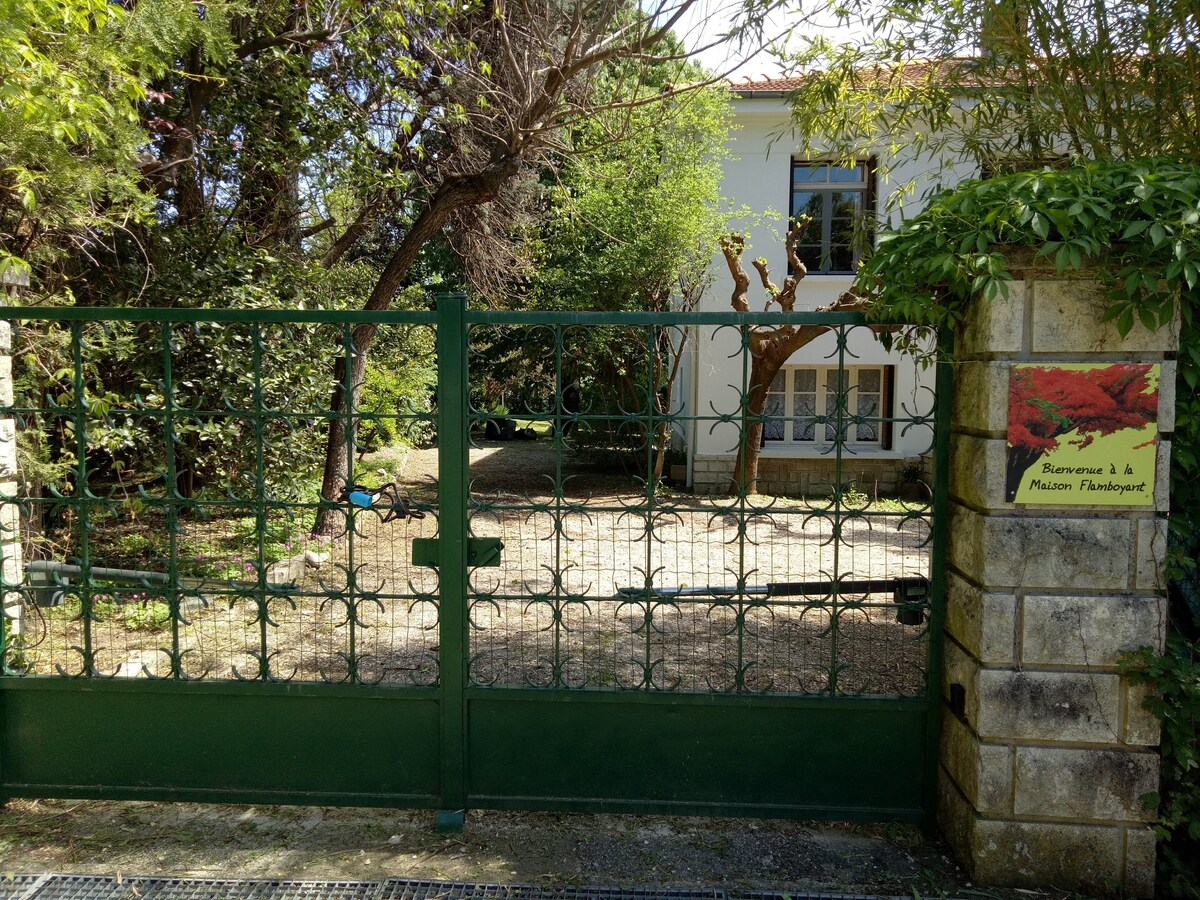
(405, 889)
(107, 887)
(17, 887)
(788, 895)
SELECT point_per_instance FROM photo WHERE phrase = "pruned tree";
(770, 346)
(520, 75)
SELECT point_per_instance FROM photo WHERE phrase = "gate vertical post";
(452, 442)
(940, 512)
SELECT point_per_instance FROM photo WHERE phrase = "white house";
(768, 171)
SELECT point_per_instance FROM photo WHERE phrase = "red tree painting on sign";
(1046, 402)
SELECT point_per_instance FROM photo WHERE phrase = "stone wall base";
(1098, 859)
(801, 476)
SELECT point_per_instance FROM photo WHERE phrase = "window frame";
(864, 186)
(822, 400)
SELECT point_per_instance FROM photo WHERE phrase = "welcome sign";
(1083, 434)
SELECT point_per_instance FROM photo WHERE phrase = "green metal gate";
(556, 628)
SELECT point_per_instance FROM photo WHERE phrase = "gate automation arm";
(911, 594)
(384, 500)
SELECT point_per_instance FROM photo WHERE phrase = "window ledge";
(848, 455)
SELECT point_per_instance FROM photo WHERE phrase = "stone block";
(994, 327)
(1089, 631)
(984, 623)
(5, 337)
(11, 569)
(1068, 317)
(1141, 855)
(955, 817)
(982, 771)
(959, 668)
(1084, 784)
(1085, 858)
(980, 401)
(1046, 706)
(977, 471)
(1031, 551)
(964, 540)
(6, 381)
(1166, 396)
(1151, 555)
(1162, 476)
(1142, 728)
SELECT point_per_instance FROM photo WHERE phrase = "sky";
(708, 20)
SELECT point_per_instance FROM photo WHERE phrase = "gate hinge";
(480, 551)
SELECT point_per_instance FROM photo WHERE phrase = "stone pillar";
(1046, 752)
(11, 602)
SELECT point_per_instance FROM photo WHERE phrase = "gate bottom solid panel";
(255, 743)
(697, 755)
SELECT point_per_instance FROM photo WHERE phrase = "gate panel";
(673, 651)
(179, 632)
(534, 617)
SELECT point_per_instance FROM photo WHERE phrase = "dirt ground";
(545, 849)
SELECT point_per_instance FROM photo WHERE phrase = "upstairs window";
(800, 395)
(835, 199)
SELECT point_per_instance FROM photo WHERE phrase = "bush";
(1174, 679)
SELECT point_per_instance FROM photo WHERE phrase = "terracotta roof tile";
(913, 71)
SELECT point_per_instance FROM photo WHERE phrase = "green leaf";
(1125, 321)
(1148, 319)
(1134, 229)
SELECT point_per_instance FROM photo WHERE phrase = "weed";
(146, 615)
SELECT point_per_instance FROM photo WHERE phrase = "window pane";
(806, 380)
(806, 172)
(811, 256)
(846, 204)
(804, 407)
(835, 380)
(869, 380)
(848, 173)
(868, 407)
(841, 232)
(811, 204)
(777, 382)
(841, 259)
(773, 427)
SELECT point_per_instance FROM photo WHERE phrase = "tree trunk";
(745, 467)
(664, 396)
(452, 195)
(337, 452)
(768, 354)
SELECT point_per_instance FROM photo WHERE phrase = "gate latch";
(480, 551)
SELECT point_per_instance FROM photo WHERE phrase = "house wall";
(758, 178)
